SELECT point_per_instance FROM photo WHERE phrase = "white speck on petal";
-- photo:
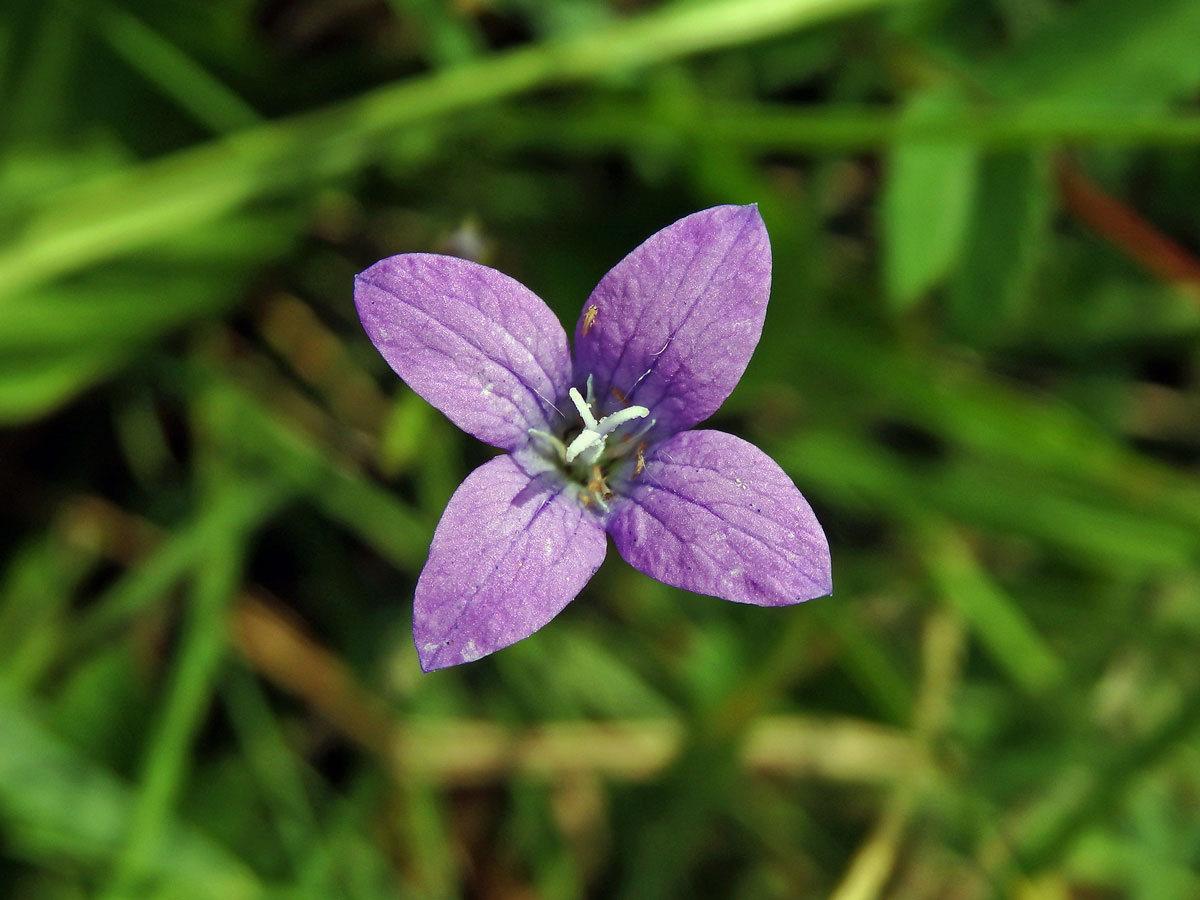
(470, 653)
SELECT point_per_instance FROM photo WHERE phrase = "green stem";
(767, 127)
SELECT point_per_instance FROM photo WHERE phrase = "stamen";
(598, 486)
(641, 432)
(559, 447)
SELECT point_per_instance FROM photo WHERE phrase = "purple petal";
(509, 553)
(479, 346)
(714, 514)
(671, 327)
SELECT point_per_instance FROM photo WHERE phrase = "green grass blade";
(164, 197)
(193, 681)
(57, 805)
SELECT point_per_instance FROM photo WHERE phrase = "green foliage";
(926, 201)
(218, 499)
(1004, 238)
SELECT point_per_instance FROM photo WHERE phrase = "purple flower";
(599, 443)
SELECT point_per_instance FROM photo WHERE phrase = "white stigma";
(590, 442)
(585, 412)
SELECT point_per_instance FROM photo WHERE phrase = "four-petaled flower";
(597, 444)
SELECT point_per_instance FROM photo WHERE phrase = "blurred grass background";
(981, 365)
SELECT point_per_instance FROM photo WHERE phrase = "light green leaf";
(926, 203)
(1008, 224)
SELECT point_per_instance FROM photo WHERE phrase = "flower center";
(590, 444)
(587, 455)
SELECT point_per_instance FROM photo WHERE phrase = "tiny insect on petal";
(641, 459)
(589, 319)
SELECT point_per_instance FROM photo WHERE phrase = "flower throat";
(591, 452)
